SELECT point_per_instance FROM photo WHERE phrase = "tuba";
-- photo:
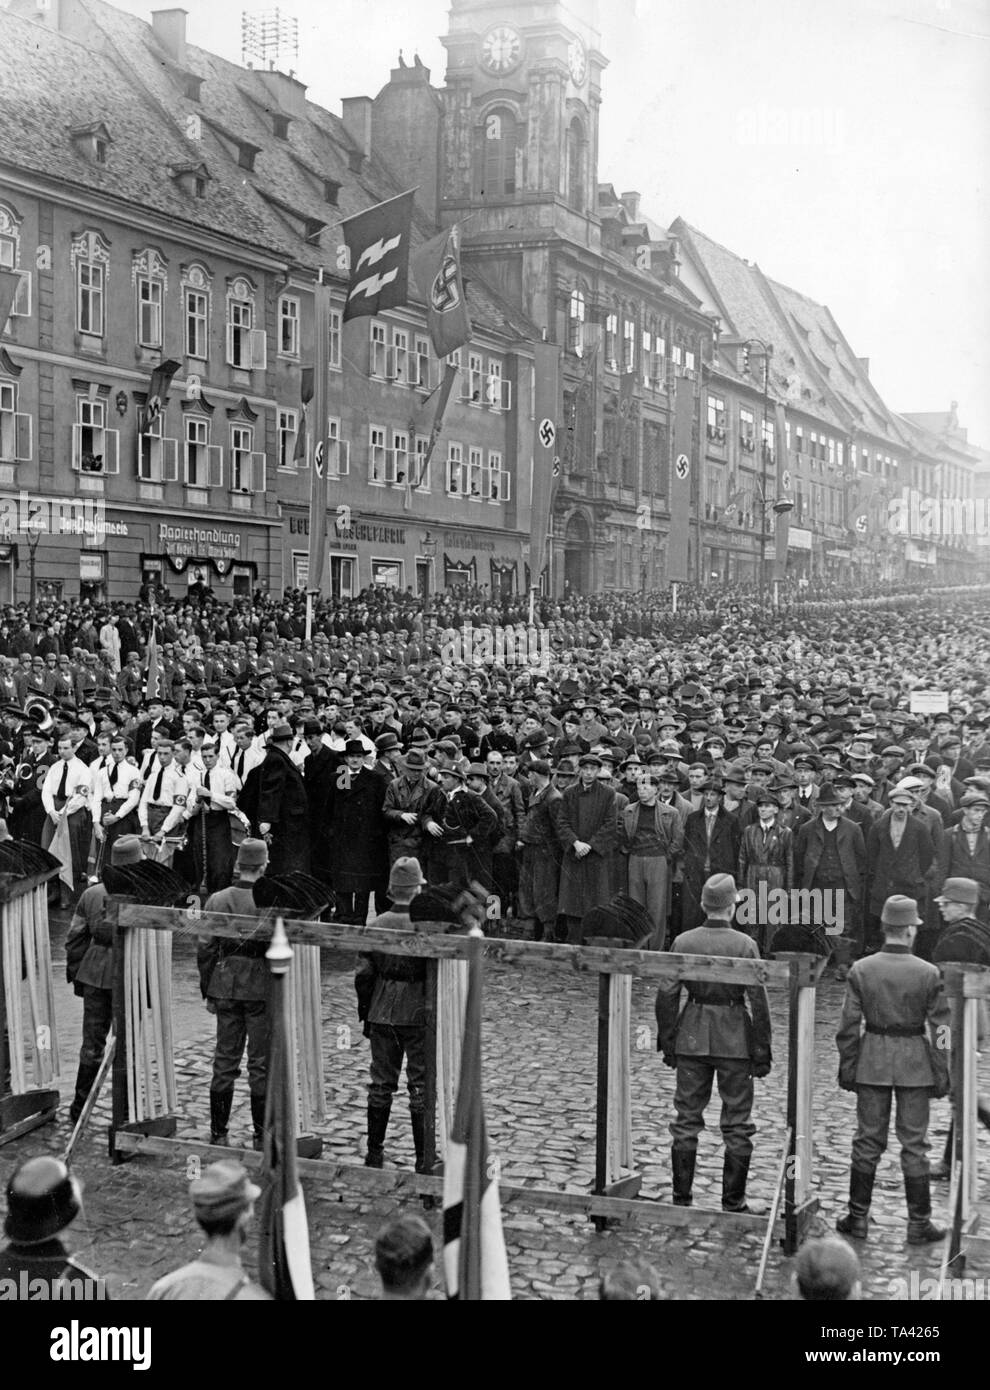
(39, 710)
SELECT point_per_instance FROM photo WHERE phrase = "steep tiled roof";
(124, 77)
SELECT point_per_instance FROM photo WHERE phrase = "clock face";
(577, 62)
(501, 49)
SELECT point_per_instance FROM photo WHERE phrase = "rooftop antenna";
(269, 39)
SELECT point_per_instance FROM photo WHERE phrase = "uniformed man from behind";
(236, 981)
(963, 940)
(715, 1037)
(43, 1199)
(391, 994)
(904, 1051)
(89, 969)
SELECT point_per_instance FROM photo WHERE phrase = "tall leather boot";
(85, 1077)
(418, 1121)
(942, 1171)
(377, 1126)
(921, 1229)
(258, 1121)
(682, 1161)
(220, 1103)
(857, 1222)
(735, 1171)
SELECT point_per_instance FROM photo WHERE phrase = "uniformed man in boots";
(391, 994)
(963, 940)
(235, 980)
(903, 1051)
(716, 1037)
(89, 969)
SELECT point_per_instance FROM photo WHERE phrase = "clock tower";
(520, 131)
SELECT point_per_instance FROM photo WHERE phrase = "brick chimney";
(356, 113)
(287, 90)
(169, 28)
(406, 131)
(630, 201)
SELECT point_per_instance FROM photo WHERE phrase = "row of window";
(393, 461)
(620, 345)
(395, 353)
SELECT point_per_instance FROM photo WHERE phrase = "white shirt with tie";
(244, 760)
(224, 786)
(121, 779)
(77, 787)
(166, 786)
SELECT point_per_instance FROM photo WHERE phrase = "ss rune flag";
(378, 245)
(474, 1261)
(284, 1267)
(438, 275)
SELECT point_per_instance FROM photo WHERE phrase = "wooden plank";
(14, 888)
(601, 1087)
(804, 1107)
(434, 942)
(399, 1180)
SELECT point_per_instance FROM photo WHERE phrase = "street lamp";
(35, 526)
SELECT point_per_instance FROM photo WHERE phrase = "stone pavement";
(539, 1071)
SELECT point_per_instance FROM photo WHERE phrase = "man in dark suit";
(283, 810)
(714, 1036)
(712, 837)
(965, 850)
(830, 856)
(901, 1001)
(319, 771)
(358, 836)
(899, 854)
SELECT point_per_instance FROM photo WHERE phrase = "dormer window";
(191, 178)
(280, 127)
(92, 141)
(191, 86)
(331, 188)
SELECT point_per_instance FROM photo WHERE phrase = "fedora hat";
(899, 911)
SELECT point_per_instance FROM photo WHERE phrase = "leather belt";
(894, 1031)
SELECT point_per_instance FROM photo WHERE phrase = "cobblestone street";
(539, 1084)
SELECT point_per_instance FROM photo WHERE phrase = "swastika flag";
(438, 275)
(378, 245)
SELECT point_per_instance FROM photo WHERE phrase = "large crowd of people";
(630, 770)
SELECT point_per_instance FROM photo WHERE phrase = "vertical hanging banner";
(437, 270)
(680, 483)
(547, 446)
(318, 483)
(378, 257)
(782, 520)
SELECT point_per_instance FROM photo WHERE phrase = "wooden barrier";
(446, 953)
(144, 1097)
(29, 1053)
(968, 990)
